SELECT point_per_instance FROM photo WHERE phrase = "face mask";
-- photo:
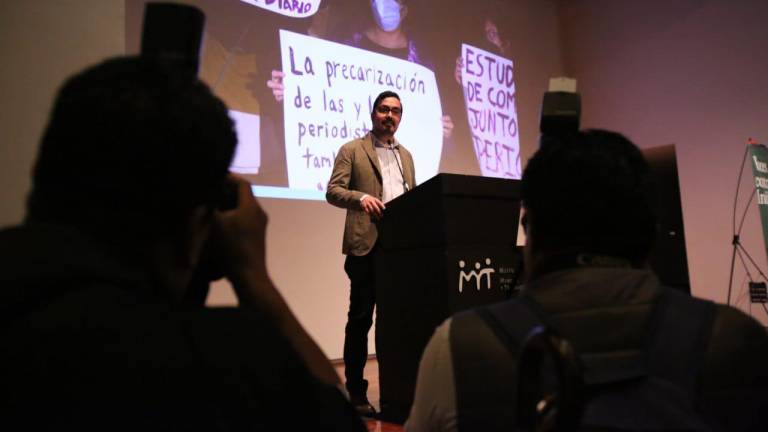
(386, 13)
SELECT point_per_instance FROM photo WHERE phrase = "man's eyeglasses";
(383, 109)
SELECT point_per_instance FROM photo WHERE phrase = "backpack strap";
(532, 341)
(659, 391)
(680, 331)
(511, 322)
(485, 343)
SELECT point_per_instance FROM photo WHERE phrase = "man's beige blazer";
(356, 172)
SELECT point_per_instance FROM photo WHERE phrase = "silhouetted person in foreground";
(653, 358)
(100, 328)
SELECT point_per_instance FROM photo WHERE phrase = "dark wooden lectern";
(445, 246)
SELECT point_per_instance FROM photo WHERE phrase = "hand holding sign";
(276, 84)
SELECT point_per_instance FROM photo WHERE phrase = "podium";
(447, 245)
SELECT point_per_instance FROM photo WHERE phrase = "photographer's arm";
(241, 235)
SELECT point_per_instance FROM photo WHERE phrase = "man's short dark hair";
(383, 95)
(590, 193)
(133, 138)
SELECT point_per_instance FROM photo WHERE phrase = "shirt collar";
(378, 143)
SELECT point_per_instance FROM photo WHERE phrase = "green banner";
(758, 158)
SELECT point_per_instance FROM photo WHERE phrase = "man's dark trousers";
(362, 300)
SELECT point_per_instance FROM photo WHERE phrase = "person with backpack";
(650, 357)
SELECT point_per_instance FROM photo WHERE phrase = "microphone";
(390, 145)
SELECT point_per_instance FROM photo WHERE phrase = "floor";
(372, 375)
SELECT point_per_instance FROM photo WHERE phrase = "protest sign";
(247, 158)
(292, 8)
(489, 95)
(758, 157)
(329, 93)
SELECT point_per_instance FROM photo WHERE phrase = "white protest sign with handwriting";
(293, 8)
(329, 92)
(489, 94)
(247, 158)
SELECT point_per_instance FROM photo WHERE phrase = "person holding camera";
(101, 328)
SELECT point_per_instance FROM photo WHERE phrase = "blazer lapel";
(371, 152)
(409, 171)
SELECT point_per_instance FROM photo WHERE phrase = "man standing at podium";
(368, 172)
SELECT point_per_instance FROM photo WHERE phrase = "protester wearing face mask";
(387, 35)
(387, 14)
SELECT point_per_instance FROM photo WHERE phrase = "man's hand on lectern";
(372, 206)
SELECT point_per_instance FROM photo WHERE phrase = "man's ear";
(528, 252)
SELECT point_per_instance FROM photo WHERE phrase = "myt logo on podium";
(479, 274)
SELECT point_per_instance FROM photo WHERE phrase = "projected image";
(300, 77)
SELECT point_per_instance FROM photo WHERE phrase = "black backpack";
(655, 394)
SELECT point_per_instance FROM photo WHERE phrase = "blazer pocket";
(360, 222)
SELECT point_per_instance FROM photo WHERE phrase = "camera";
(172, 34)
(560, 110)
